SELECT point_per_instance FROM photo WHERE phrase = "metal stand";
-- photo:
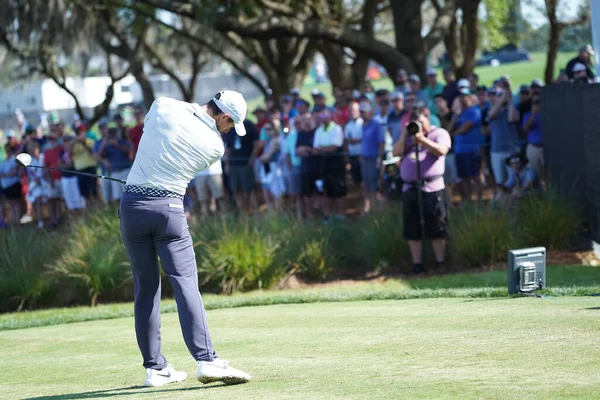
(420, 201)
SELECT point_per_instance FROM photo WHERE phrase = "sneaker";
(25, 219)
(219, 370)
(160, 377)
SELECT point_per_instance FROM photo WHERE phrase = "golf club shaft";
(79, 173)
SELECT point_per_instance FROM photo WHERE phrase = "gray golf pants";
(151, 227)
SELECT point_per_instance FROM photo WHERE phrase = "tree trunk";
(359, 71)
(553, 44)
(142, 79)
(340, 73)
(408, 24)
(469, 36)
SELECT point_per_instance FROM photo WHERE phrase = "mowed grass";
(520, 73)
(561, 281)
(519, 348)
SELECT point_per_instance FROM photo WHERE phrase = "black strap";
(423, 181)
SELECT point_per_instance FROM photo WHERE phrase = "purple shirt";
(431, 165)
(535, 133)
(372, 137)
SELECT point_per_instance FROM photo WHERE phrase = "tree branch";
(277, 7)
(437, 6)
(441, 25)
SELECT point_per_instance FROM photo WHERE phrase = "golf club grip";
(70, 171)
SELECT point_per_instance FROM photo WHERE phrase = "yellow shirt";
(82, 157)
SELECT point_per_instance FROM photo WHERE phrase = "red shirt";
(341, 116)
(51, 157)
(135, 134)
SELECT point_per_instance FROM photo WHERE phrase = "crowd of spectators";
(302, 156)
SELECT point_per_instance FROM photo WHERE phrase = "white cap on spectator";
(397, 95)
(10, 133)
(431, 71)
(365, 106)
(579, 67)
(462, 83)
(414, 78)
(356, 94)
(234, 104)
(295, 91)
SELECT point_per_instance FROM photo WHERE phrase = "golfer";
(179, 140)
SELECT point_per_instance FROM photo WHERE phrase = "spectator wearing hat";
(466, 131)
(503, 116)
(432, 89)
(532, 126)
(353, 132)
(288, 111)
(450, 91)
(68, 181)
(319, 100)
(430, 145)
(271, 176)
(580, 73)
(328, 144)
(53, 190)
(536, 87)
(522, 180)
(382, 113)
(401, 82)
(295, 93)
(395, 118)
(415, 87)
(585, 59)
(372, 146)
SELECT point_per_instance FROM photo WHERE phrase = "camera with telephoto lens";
(415, 126)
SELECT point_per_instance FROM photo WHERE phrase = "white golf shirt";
(180, 139)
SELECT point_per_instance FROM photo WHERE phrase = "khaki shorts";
(208, 186)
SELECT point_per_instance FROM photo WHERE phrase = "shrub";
(548, 220)
(240, 259)
(480, 234)
(378, 241)
(24, 257)
(94, 257)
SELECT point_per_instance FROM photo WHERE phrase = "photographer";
(424, 206)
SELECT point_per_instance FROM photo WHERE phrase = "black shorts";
(13, 192)
(88, 186)
(334, 183)
(241, 178)
(308, 186)
(434, 214)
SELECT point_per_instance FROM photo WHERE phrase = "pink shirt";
(431, 165)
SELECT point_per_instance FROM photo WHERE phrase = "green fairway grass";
(507, 348)
(561, 281)
(520, 73)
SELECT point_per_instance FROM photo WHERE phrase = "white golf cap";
(463, 83)
(431, 71)
(234, 104)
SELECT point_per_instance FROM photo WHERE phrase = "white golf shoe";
(219, 370)
(160, 377)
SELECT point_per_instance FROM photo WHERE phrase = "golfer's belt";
(151, 192)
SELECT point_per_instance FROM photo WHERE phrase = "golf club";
(24, 159)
